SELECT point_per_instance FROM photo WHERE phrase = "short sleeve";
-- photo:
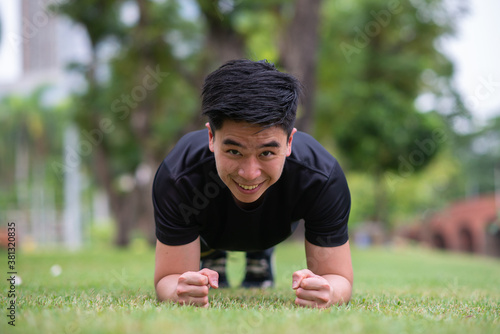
(326, 221)
(172, 211)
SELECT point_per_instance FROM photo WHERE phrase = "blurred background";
(406, 95)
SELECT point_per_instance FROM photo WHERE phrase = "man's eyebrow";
(271, 144)
(231, 142)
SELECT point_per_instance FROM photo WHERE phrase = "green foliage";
(100, 18)
(396, 290)
(480, 156)
(372, 58)
(410, 196)
(375, 59)
(140, 91)
(414, 197)
(32, 133)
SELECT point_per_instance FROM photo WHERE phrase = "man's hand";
(193, 286)
(311, 290)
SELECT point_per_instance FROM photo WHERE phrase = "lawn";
(397, 290)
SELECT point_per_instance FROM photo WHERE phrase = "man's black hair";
(252, 92)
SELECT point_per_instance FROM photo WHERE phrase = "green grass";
(407, 290)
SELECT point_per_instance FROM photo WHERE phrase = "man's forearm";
(166, 288)
(342, 289)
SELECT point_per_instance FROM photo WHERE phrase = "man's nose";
(250, 169)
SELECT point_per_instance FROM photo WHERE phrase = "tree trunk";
(298, 54)
(223, 41)
(380, 214)
(103, 175)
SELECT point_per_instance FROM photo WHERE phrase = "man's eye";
(233, 152)
(267, 153)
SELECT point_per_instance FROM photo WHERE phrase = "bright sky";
(475, 52)
(10, 52)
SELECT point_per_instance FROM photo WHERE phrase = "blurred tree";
(223, 41)
(139, 99)
(375, 60)
(298, 54)
(32, 132)
(150, 59)
(285, 32)
(128, 111)
(479, 151)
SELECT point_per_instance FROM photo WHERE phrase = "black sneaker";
(259, 273)
(217, 262)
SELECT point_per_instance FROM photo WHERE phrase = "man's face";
(249, 159)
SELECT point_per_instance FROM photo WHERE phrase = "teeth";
(248, 187)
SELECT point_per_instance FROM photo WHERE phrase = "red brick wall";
(463, 226)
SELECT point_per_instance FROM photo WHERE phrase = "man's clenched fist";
(311, 290)
(193, 287)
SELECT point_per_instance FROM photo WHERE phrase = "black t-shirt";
(190, 199)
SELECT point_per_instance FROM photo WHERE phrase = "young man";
(239, 186)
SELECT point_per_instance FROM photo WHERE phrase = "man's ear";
(289, 143)
(210, 137)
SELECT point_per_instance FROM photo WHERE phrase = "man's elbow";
(166, 287)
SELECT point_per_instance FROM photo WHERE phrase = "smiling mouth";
(248, 187)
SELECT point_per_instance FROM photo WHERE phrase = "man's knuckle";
(324, 299)
(181, 290)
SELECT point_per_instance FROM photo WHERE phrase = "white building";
(36, 46)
